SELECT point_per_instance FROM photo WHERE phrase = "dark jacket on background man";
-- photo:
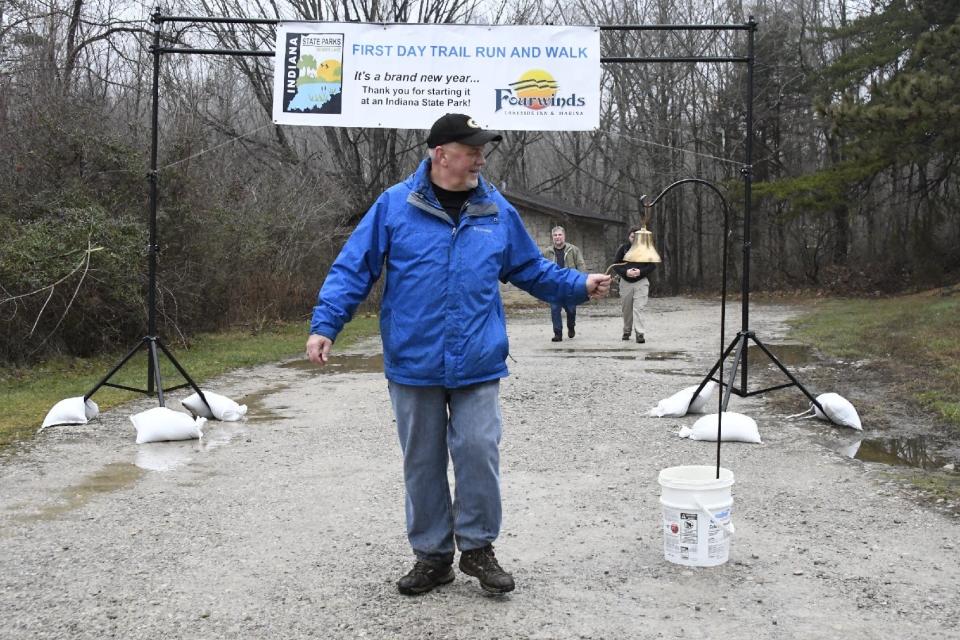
(646, 268)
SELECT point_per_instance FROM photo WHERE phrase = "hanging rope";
(672, 148)
(222, 144)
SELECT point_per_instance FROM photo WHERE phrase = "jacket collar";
(480, 203)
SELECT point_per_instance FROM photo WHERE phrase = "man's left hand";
(598, 285)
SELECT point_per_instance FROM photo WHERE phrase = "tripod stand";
(152, 342)
(745, 335)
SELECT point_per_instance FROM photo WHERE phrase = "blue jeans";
(558, 319)
(432, 421)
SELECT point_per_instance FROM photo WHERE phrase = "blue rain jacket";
(441, 318)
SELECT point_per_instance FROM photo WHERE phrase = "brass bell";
(642, 249)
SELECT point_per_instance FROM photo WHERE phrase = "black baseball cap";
(459, 127)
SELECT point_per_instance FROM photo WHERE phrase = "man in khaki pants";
(634, 289)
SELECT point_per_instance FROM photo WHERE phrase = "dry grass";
(27, 394)
(919, 334)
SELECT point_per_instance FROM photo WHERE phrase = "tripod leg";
(119, 366)
(185, 375)
(155, 363)
(151, 370)
(741, 341)
(789, 375)
(716, 366)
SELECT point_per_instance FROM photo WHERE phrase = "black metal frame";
(722, 398)
(745, 335)
(152, 343)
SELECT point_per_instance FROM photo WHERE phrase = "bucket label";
(688, 535)
(693, 538)
(680, 533)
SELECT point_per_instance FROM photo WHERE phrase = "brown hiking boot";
(482, 563)
(424, 577)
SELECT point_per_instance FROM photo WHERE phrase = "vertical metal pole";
(747, 202)
(152, 177)
(155, 359)
(723, 323)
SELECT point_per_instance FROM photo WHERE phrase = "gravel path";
(290, 524)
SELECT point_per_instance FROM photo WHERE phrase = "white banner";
(405, 76)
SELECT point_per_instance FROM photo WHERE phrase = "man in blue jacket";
(445, 238)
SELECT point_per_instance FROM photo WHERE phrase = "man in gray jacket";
(569, 256)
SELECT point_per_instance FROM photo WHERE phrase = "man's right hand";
(318, 348)
(633, 273)
(598, 285)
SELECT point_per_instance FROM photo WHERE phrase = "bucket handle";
(726, 527)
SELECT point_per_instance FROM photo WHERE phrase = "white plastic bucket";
(696, 515)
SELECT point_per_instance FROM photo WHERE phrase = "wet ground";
(928, 451)
(918, 441)
(892, 443)
(897, 434)
(289, 524)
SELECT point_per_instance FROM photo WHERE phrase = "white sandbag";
(839, 410)
(159, 424)
(699, 404)
(736, 427)
(223, 407)
(680, 403)
(71, 411)
(675, 406)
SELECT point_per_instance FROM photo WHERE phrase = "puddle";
(920, 452)
(605, 350)
(343, 363)
(113, 477)
(790, 355)
(626, 353)
(166, 456)
(163, 456)
(693, 375)
(621, 354)
(664, 355)
(154, 456)
(257, 410)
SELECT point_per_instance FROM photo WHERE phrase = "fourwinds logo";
(536, 90)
